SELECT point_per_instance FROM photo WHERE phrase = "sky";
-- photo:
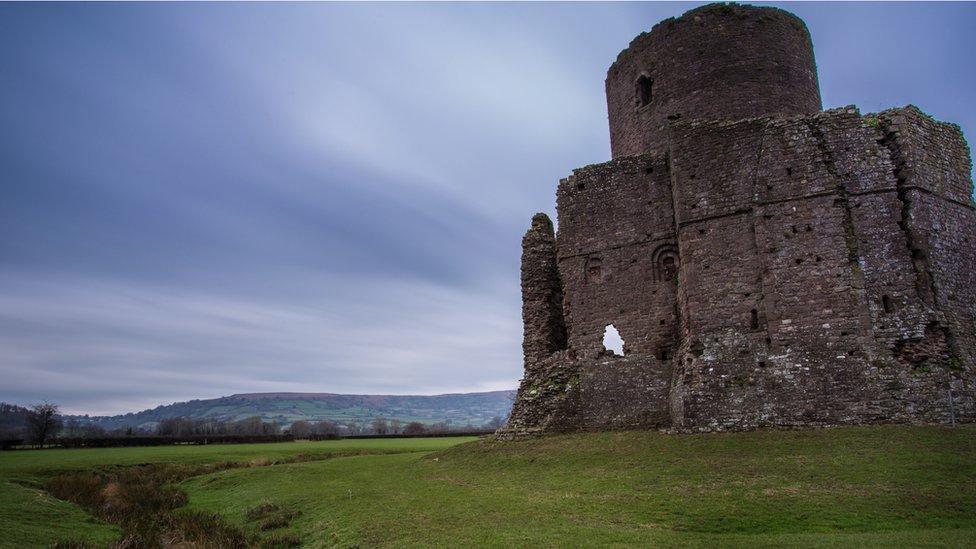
(198, 200)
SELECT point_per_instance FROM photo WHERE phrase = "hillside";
(457, 409)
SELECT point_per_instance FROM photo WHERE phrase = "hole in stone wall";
(612, 341)
(645, 85)
(886, 303)
(754, 319)
(664, 353)
(789, 171)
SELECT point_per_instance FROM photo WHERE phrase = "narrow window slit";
(645, 85)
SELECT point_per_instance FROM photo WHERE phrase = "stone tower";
(765, 262)
(721, 62)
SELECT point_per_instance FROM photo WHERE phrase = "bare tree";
(300, 428)
(439, 427)
(379, 426)
(248, 426)
(496, 423)
(325, 427)
(176, 426)
(42, 422)
(395, 426)
(414, 428)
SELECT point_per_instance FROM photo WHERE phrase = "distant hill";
(457, 409)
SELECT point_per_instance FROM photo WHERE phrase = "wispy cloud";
(101, 347)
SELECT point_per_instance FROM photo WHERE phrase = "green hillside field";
(458, 410)
(871, 486)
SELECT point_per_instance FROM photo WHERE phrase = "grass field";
(31, 518)
(872, 486)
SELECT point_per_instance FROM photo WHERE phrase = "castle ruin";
(767, 263)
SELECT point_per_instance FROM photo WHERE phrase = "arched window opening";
(886, 303)
(669, 269)
(645, 93)
(665, 260)
(612, 341)
(594, 269)
(754, 319)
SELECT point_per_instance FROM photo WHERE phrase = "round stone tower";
(720, 61)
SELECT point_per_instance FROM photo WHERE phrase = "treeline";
(184, 426)
(41, 425)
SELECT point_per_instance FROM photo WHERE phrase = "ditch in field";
(146, 502)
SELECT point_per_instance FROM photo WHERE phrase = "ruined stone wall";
(542, 293)
(721, 61)
(802, 218)
(809, 269)
(932, 167)
(616, 242)
(547, 372)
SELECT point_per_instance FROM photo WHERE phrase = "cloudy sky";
(199, 200)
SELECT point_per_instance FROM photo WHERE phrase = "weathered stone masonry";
(765, 262)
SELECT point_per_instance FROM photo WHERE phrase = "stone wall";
(810, 269)
(816, 315)
(616, 240)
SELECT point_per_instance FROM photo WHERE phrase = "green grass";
(870, 486)
(877, 486)
(31, 518)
